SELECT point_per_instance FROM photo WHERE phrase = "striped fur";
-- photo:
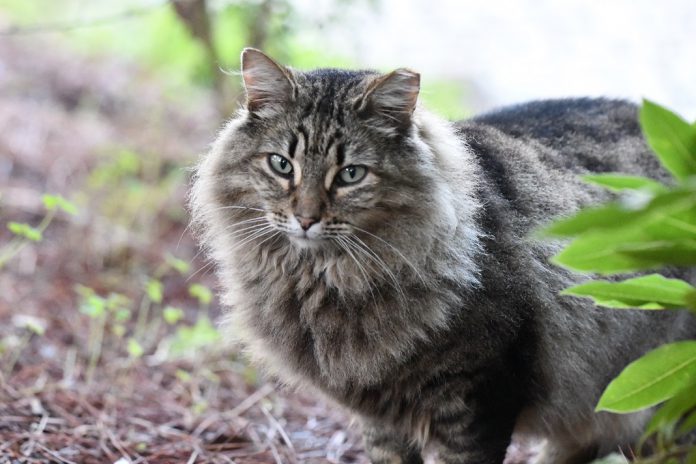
(418, 300)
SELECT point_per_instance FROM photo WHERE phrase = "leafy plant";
(25, 233)
(650, 225)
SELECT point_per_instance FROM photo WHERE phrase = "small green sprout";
(202, 293)
(172, 315)
(135, 350)
(154, 289)
(181, 266)
(21, 229)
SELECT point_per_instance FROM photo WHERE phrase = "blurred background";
(109, 350)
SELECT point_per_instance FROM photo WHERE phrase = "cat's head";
(325, 160)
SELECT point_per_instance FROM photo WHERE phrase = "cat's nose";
(306, 222)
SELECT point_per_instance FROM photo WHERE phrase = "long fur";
(445, 327)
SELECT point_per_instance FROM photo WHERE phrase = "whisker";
(344, 245)
(395, 249)
(208, 265)
(257, 219)
(360, 245)
(255, 234)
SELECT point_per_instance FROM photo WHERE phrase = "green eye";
(280, 164)
(351, 175)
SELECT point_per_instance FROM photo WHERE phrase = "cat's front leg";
(467, 435)
(386, 446)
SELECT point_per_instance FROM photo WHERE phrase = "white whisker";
(395, 250)
(344, 244)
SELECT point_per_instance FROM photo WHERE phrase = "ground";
(106, 350)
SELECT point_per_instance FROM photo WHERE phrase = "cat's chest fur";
(310, 319)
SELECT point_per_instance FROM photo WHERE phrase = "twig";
(193, 457)
(279, 428)
(242, 407)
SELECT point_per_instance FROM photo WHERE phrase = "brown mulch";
(62, 115)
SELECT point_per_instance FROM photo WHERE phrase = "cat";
(383, 256)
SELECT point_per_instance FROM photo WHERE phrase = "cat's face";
(324, 160)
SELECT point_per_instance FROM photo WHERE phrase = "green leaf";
(202, 293)
(119, 330)
(672, 139)
(594, 253)
(633, 211)
(183, 375)
(93, 306)
(647, 292)
(117, 301)
(52, 202)
(189, 338)
(25, 230)
(688, 425)
(619, 182)
(673, 410)
(691, 457)
(172, 315)
(135, 350)
(122, 315)
(180, 265)
(654, 378)
(678, 252)
(154, 290)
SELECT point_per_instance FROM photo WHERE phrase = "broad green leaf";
(672, 139)
(691, 457)
(630, 212)
(52, 202)
(647, 292)
(25, 230)
(202, 293)
(689, 423)
(594, 253)
(135, 350)
(619, 182)
(154, 290)
(678, 253)
(652, 379)
(673, 410)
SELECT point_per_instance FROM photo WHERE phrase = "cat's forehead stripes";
(292, 146)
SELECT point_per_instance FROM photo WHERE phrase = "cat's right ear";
(392, 97)
(268, 85)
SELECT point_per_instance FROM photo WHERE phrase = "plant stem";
(96, 341)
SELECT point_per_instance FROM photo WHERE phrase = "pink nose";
(306, 222)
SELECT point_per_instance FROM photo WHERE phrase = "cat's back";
(587, 134)
(532, 154)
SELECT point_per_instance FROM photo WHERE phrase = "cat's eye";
(280, 164)
(351, 175)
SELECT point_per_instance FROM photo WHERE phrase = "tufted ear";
(393, 96)
(267, 84)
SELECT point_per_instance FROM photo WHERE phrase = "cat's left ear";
(393, 96)
(268, 85)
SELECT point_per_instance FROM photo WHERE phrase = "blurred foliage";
(650, 226)
(162, 40)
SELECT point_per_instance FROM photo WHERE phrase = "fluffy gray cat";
(382, 256)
